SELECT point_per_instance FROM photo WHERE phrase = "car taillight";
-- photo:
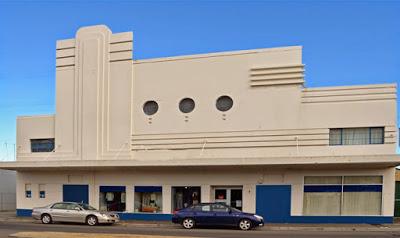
(175, 212)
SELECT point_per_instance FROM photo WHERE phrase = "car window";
(72, 206)
(59, 206)
(206, 208)
(219, 208)
(87, 207)
(202, 208)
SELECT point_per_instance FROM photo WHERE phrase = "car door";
(203, 214)
(222, 215)
(75, 213)
(58, 212)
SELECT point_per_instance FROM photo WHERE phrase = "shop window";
(148, 199)
(42, 145)
(342, 195)
(112, 198)
(28, 190)
(356, 136)
(183, 197)
(42, 191)
(362, 195)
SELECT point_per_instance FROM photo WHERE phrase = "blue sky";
(345, 43)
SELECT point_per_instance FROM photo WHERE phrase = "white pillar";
(205, 193)
(130, 198)
(166, 199)
(249, 198)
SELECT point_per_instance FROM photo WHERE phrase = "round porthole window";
(186, 105)
(150, 108)
(224, 103)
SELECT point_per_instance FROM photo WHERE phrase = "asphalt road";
(7, 228)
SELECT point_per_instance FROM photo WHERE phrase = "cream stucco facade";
(276, 133)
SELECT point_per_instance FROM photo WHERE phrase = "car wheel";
(188, 223)
(91, 220)
(46, 219)
(245, 224)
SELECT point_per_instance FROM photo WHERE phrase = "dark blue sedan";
(216, 214)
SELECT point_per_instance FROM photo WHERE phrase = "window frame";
(369, 135)
(40, 149)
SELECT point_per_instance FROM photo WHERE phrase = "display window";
(183, 197)
(112, 198)
(148, 199)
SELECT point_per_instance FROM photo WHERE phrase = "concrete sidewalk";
(395, 227)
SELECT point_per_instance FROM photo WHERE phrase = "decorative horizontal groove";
(340, 88)
(121, 60)
(349, 98)
(347, 94)
(221, 146)
(65, 61)
(273, 132)
(65, 66)
(121, 46)
(280, 82)
(119, 51)
(306, 93)
(232, 139)
(121, 55)
(65, 53)
(65, 44)
(121, 37)
(63, 57)
(277, 67)
(276, 72)
(277, 75)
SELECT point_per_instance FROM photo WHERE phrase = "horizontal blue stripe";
(362, 188)
(24, 212)
(148, 189)
(322, 188)
(106, 189)
(340, 219)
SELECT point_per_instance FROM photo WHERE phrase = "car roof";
(66, 203)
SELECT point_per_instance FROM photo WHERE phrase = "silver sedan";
(73, 212)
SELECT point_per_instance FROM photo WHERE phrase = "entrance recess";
(76, 193)
(231, 196)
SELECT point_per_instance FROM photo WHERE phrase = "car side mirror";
(77, 209)
(230, 211)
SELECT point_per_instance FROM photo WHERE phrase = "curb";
(371, 228)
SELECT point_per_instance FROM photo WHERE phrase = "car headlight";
(258, 217)
(103, 215)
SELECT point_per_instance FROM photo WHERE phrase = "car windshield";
(87, 207)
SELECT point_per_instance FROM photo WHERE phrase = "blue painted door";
(273, 202)
(76, 193)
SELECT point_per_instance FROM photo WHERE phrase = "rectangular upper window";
(356, 136)
(42, 145)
